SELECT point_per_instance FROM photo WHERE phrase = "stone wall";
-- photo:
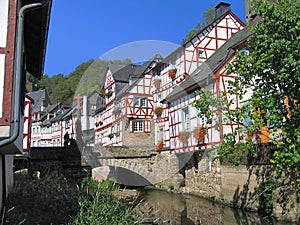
(139, 139)
(236, 186)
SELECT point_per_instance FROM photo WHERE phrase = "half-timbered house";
(128, 114)
(212, 75)
(184, 61)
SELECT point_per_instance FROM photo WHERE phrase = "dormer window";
(109, 92)
(140, 102)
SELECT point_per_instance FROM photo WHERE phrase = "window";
(138, 126)
(118, 127)
(159, 98)
(67, 124)
(185, 118)
(144, 102)
(160, 132)
(200, 53)
(140, 102)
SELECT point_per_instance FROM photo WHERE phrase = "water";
(160, 207)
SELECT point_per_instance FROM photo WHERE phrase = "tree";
(272, 72)
(209, 16)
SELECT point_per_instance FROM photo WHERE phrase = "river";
(161, 207)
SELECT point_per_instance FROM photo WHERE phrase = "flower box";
(184, 136)
(159, 146)
(109, 93)
(199, 133)
(172, 73)
(158, 111)
(156, 82)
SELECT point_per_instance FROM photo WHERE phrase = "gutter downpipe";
(18, 67)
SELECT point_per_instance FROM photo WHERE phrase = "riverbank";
(165, 206)
(53, 199)
(252, 188)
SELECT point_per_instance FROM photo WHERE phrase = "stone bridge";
(134, 166)
(128, 166)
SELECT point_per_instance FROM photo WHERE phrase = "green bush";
(171, 186)
(55, 200)
(264, 192)
(98, 203)
(49, 200)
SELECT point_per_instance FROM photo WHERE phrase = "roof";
(224, 12)
(122, 73)
(37, 97)
(36, 26)
(206, 71)
(140, 71)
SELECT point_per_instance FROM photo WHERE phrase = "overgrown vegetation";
(54, 200)
(264, 192)
(269, 69)
(209, 16)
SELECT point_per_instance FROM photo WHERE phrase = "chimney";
(221, 8)
(43, 104)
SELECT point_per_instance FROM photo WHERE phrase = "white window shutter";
(147, 126)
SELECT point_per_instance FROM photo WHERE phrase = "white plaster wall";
(2, 71)
(3, 22)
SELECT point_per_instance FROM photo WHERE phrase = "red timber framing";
(182, 110)
(139, 100)
(131, 112)
(186, 60)
(205, 43)
(27, 123)
(8, 51)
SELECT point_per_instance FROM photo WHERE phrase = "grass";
(55, 200)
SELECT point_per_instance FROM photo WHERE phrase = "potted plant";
(156, 82)
(159, 145)
(110, 136)
(184, 136)
(158, 111)
(172, 73)
(199, 133)
(109, 93)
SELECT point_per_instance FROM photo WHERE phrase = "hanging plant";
(156, 82)
(110, 136)
(184, 136)
(199, 132)
(158, 111)
(172, 73)
(159, 146)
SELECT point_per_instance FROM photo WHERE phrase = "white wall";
(3, 22)
(2, 71)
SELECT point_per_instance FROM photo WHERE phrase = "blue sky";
(82, 30)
